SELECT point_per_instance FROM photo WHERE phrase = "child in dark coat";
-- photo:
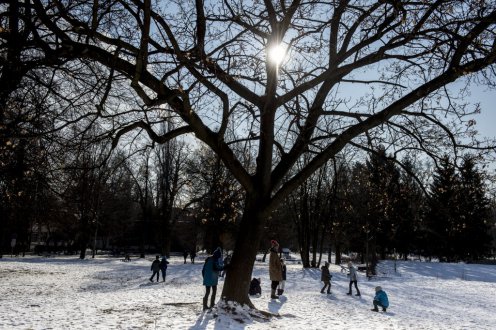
(155, 268)
(255, 287)
(280, 288)
(163, 267)
(325, 277)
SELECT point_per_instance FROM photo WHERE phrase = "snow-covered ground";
(106, 293)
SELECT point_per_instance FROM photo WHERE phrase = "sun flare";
(277, 54)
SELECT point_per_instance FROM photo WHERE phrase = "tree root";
(245, 311)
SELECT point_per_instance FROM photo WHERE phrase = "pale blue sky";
(486, 120)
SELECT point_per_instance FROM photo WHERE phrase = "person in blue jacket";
(210, 272)
(380, 299)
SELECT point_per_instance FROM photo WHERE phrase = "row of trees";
(357, 73)
(379, 209)
(76, 197)
(375, 208)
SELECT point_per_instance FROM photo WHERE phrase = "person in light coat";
(275, 268)
(353, 279)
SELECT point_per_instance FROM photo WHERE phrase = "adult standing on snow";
(325, 277)
(155, 268)
(353, 279)
(210, 272)
(163, 267)
(380, 299)
(275, 268)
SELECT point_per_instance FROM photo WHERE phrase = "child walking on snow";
(163, 267)
(353, 279)
(326, 278)
(155, 268)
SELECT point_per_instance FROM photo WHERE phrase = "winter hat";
(274, 242)
(217, 253)
(378, 288)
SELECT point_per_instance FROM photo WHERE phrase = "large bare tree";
(354, 73)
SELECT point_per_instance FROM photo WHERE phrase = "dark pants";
(274, 285)
(212, 299)
(163, 273)
(154, 272)
(327, 284)
(378, 303)
(356, 287)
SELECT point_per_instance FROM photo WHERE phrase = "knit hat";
(378, 288)
(274, 242)
(217, 253)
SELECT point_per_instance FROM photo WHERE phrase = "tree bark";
(238, 275)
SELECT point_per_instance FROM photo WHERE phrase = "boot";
(205, 307)
(273, 294)
(374, 310)
(384, 309)
(212, 302)
(280, 292)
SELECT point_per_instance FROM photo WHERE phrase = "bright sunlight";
(277, 54)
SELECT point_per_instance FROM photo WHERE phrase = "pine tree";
(474, 239)
(408, 208)
(441, 221)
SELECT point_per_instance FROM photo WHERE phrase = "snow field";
(106, 293)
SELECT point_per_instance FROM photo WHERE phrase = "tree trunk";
(238, 275)
(337, 258)
(84, 237)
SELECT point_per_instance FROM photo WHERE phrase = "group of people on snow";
(192, 256)
(380, 298)
(214, 267)
(159, 265)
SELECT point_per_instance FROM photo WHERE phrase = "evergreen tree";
(442, 219)
(473, 228)
(407, 210)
